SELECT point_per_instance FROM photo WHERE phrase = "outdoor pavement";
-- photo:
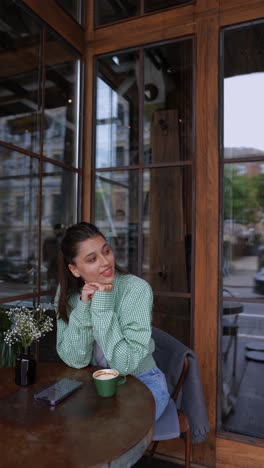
(243, 394)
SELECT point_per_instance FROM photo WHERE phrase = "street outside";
(240, 283)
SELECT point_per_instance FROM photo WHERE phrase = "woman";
(104, 316)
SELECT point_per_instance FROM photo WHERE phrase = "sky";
(244, 111)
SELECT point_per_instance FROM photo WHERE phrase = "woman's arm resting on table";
(124, 334)
(75, 338)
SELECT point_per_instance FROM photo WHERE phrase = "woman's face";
(95, 261)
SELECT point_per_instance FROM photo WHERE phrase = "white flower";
(27, 325)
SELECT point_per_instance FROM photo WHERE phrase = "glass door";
(144, 146)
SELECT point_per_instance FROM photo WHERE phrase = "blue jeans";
(155, 380)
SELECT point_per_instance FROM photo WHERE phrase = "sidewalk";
(241, 273)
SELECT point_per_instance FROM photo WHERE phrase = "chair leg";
(185, 431)
(188, 445)
(152, 450)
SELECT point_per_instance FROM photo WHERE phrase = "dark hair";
(69, 248)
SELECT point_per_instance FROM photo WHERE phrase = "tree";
(243, 196)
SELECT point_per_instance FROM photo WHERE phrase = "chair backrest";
(180, 366)
(171, 357)
(182, 378)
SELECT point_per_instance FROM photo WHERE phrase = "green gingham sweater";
(119, 321)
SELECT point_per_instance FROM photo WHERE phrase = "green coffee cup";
(107, 381)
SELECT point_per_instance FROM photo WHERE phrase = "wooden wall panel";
(206, 6)
(87, 136)
(207, 209)
(237, 14)
(89, 21)
(158, 27)
(237, 4)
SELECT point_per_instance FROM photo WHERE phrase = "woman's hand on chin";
(90, 288)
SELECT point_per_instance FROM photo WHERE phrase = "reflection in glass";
(173, 315)
(155, 5)
(243, 91)
(117, 110)
(168, 106)
(74, 8)
(20, 77)
(19, 186)
(242, 352)
(242, 396)
(154, 242)
(243, 229)
(47, 344)
(58, 212)
(116, 214)
(30, 303)
(62, 102)
(108, 11)
(167, 229)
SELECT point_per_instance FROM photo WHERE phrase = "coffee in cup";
(106, 381)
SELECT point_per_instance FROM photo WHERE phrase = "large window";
(242, 247)
(39, 153)
(144, 149)
(110, 11)
(75, 8)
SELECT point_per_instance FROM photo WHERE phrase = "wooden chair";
(169, 426)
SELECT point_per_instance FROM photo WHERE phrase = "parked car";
(14, 271)
(259, 282)
(4, 269)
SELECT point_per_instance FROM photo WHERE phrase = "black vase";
(25, 367)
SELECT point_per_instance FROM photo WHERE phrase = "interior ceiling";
(20, 78)
(112, 10)
(170, 61)
(13, 24)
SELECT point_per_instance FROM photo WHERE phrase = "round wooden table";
(82, 431)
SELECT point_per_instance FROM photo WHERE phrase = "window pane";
(243, 229)
(20, 77)
(116, 215)
(173, 315)
(62, 102)
(242, 368)
(168, 106)
(19, 186)
(167, 229)
(242, 352)
(243, 92)
(74, 8)
(117, 110)
(58, 212)
(109, 11)
(154, 5)
(47, 344)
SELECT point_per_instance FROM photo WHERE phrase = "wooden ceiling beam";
(50, 12)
